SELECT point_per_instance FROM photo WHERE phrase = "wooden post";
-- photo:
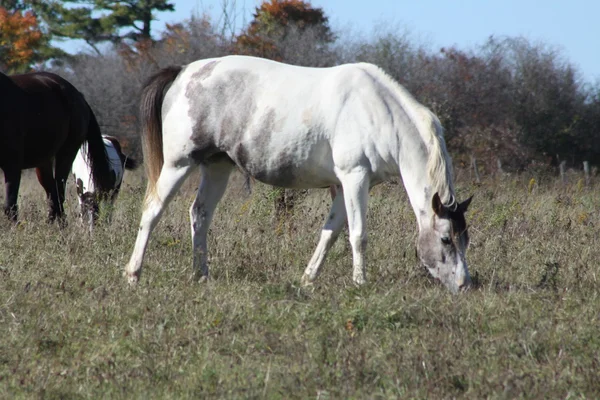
(586, 173)
(563, 175)
(475, 170)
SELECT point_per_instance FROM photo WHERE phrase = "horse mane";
(439, 164)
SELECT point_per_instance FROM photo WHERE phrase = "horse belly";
(287, 166)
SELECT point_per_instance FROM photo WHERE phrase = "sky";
(571, 26)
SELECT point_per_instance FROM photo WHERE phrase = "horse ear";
(465, 204)
(436, 204)
(79, 184)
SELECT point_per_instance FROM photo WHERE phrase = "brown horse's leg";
(46, 178)
(12, 181)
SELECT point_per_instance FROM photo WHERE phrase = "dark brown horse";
(44, 120)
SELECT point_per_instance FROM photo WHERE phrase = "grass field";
(72, 328)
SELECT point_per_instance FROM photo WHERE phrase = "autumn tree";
(21, 39)
(277, 24)
(97, 21)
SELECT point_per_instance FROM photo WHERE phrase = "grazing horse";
(44, 120)
(86, 187)
(299, 127)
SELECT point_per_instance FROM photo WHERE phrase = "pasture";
(72, 328)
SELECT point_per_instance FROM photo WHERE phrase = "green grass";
(72, 328)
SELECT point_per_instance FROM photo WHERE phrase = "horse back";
(56, 115)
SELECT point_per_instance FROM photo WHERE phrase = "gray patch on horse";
(265, 127)
(205, 71)
(283, 175)
(267, 122)
(222, 108)
(237, 97)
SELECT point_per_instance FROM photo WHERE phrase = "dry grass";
(72, 328)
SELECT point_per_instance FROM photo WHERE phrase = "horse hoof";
(199, 277)
(132, 279)
(306, 280)
(359, 280)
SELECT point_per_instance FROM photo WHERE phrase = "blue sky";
(572, 26)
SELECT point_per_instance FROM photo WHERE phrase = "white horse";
(86, 188)
(298, 127)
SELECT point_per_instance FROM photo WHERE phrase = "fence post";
(586, 173)
(475, 170)
(563, 175)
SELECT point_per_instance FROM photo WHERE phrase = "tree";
(14, 5)
(278, 21)
(102, 21)
(21, 40)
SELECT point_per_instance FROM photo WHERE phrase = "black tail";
(98, 158)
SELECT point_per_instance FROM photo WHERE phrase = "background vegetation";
(509, 99)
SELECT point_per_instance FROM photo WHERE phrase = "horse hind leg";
(331, 230)
(12, 181)
(213, 183)
(62, 168)
(170, 179)
(45, 177)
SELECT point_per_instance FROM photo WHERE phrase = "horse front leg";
(356, 195)
(12, 181)
(213, 182)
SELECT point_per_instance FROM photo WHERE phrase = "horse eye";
(446, 240)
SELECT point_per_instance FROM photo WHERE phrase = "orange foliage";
(285, 11)
(20, 36)
(271, 20)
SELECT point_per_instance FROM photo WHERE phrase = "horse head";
(443, 242)
(88, 205)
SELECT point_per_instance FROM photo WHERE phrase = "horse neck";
(412, 162)
(422, 156)
(423, 163)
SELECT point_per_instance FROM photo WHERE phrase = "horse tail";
(151, 119)
(97, 157)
